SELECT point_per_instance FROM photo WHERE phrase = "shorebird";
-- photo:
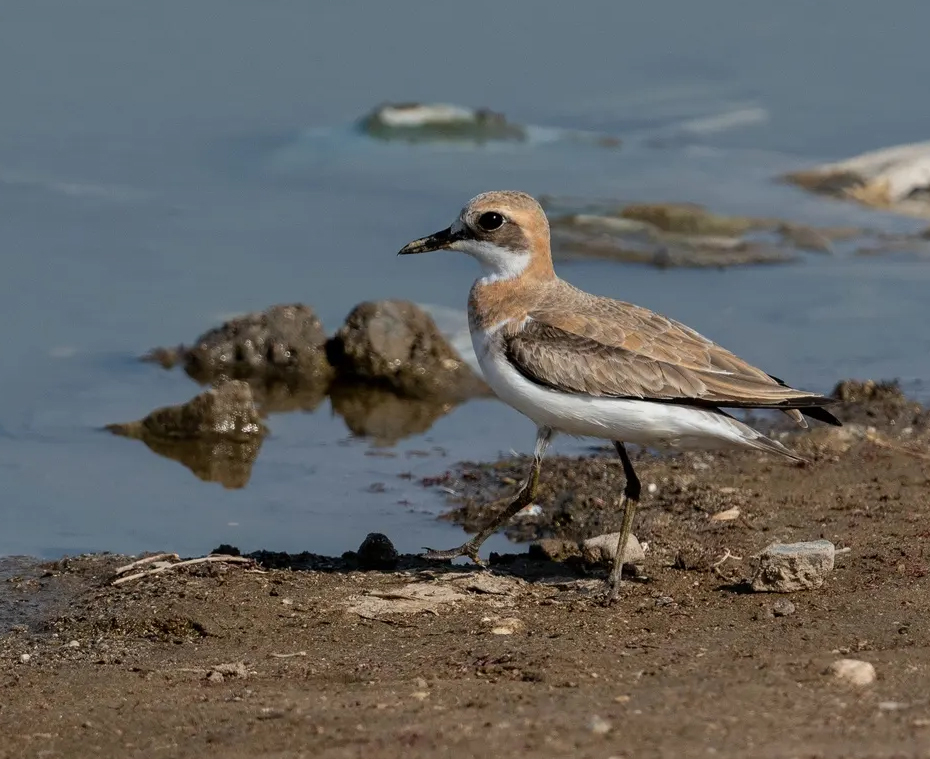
(592, 366)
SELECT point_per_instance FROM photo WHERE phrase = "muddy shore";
(310, 656)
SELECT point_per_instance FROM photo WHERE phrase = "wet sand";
(307, 656)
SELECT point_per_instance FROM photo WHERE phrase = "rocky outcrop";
(283, 344)
(217, 434)
(396, 345)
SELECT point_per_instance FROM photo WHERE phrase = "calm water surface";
(165, 165)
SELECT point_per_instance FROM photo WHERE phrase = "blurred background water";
(165, 165)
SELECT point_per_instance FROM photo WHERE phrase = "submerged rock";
(396, 345)
(690, 219)
(226, 462)
(420, 122)
(383, 415)
(283, 344)
(682, 235)
(632, 240)
(894, 179)
(216, 434)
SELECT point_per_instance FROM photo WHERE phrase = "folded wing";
(653, 358)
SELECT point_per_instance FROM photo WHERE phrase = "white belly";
(644, 423)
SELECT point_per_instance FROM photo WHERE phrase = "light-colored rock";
(24, 658)
(895, 178)
(413, 598)
(233, 669)
(728, 515)
(852, 672)
(603, 548)
(783, 608)
(505, 626)
(599, 726)
(789, 567)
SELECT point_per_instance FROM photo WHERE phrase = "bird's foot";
(466, 549)
(610, 593)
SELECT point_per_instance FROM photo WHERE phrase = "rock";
(217, 434)
(226, 412)
(25, 658)
(599, 725)
(852, 672)
(879, 404)
(377, 552)
(396, 344)
(283, 344)
(505, 626)
(603, 548)
(727, 515)
(382, 414)
(805, 238)
(215, 677)
(789, 567)
(554, 549)
(233, 669)
(413, 598)
(664, 235)
(423, 122)
(895, 178)
(783, 608)
(690, 219)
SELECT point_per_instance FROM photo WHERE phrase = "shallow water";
(164, 165)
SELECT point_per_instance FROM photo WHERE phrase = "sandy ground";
(308, 656)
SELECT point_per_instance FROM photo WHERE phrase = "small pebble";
(891, 706)
(24, 658)
(652, 488)
(852, 672)
(783, 608)
(74, 644)
(599, 725)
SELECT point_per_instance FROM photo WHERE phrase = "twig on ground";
(213, 557)
(146, 560)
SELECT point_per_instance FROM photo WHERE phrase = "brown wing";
(653, 358)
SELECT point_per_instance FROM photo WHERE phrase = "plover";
(587, 365)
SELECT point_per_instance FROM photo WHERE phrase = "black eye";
(490, 221)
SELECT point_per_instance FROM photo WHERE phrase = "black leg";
(631, 493)
(524, 497)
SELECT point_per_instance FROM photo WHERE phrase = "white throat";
(497, 263)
